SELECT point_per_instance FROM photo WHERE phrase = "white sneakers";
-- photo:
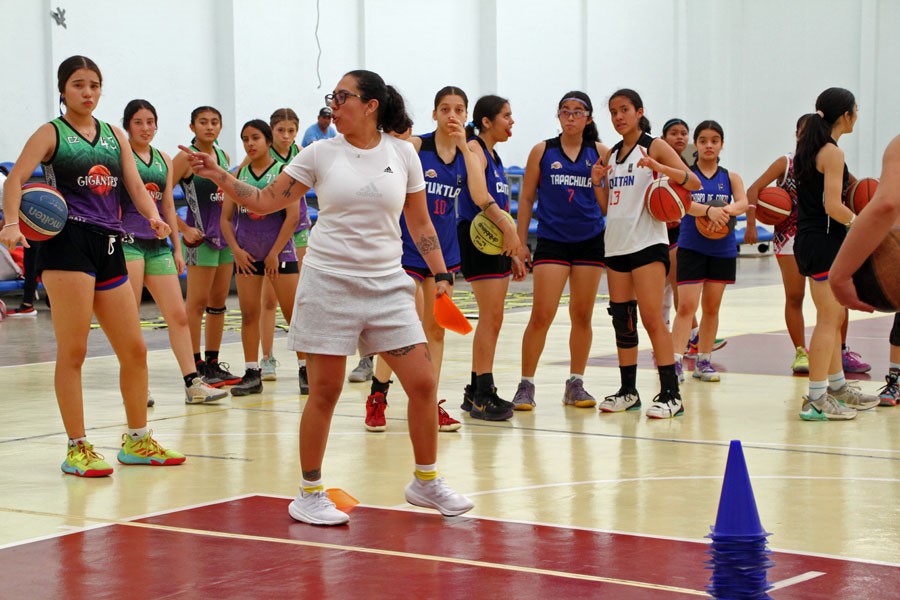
(316, 508)
(437, 494)
(200, 393)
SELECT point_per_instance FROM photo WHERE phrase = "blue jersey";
(717, 187)
(444, 183)
(497, 186)
(567, 209)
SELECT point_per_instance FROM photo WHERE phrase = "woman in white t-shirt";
(353, 292)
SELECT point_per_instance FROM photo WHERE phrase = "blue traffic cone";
(738, 516)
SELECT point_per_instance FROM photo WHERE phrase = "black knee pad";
(895, 331)
(215, 311)
(625, 319)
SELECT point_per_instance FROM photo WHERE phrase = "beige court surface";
(824, 488)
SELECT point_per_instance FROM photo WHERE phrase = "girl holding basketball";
(354, 293)
(452, 170)
(149, 259)
(569, 243)
(263, 249)
(206, 253)
(706, 266)
(488, 274)
(822, 222)
(637, 253)
(83, 267)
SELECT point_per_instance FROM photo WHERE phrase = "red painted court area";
(250, 548)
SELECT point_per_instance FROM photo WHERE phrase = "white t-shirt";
(361, 196)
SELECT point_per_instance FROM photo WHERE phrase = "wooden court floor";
(567, 500)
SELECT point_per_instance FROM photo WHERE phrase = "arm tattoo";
(401, 351)
(287, 193)
(314, 475)
(428, 244)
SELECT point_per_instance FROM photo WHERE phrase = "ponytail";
(487, 107)
(635, 99)
(644, 124)
(590, 135)
(392, 116)
(831, 105)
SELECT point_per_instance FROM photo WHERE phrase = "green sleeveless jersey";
(292, 152)
(204, 200)
(88, 173)
(153, 174)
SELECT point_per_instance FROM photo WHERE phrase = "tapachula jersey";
(153, 174)
(444, 183)
(204, 200)
(717, 187)
(303, 222)
(88, 173)
(257, 233)
(497, 186)
(567, 208)
(629, 226)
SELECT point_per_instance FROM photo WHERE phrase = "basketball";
(773, 206)
(486, 236)
(667, 201)
(100, 180)
(860, 193)
(705, 226)
(43, 212)
(876, 280)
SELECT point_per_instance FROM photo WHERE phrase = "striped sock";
(817, 389)
(836, 381)
(426, 472)
(310, 487)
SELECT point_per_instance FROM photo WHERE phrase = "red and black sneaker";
(218, 371)
(375, 405)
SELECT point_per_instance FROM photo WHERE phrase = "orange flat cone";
(448, 315)
(343, 501)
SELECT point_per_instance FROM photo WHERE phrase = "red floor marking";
(117, 560)
(743, 353)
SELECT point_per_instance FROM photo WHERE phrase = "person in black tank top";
(881, 215)
(822, 222)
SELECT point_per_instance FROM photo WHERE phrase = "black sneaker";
(304, 382)
(250, 383)
(467, 398)
(487, 405)
(219, 370)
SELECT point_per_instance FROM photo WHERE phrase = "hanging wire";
(319, 46)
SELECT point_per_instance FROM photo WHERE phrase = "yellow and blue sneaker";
(147, 451)
(83, 461)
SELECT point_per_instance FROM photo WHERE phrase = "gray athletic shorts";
(338, 314)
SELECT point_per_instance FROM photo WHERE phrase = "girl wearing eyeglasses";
(569, 243)
(354, 292)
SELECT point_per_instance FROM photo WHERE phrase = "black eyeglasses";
(340, 97)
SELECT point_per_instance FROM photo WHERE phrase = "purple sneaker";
(853, 362)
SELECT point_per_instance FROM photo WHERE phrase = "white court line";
(795, 580)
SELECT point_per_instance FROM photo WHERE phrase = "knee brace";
(625, 319)
(215, 311)
(895, 331)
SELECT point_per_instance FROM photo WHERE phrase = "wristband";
(10, 224)
(751, 206)
(448, 277)
(488, 205)
(687, 176)
(708, 206)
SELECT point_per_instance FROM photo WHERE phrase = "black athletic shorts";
(696, 267)
(477, 265)
(86, 248)
(815, 253)
(421, 273)
(627, 263)
(284, 268)
(588, 253)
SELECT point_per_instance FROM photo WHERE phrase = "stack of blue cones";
(740, 557)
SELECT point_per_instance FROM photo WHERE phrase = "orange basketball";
(860, 193)
(667, 201)
(708, 230)
(100, 180)
(773, 206)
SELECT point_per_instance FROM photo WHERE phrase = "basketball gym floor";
(568, 501)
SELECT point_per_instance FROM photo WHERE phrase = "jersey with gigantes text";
(204, 200)
(153, 174)
(257, 233)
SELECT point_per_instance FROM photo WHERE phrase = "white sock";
(836, 381)
(817, 389)
(705, 357)
(695, 332)
(679, 357)
(75, 441)
(308, 487)
(529, 380)
(895, 366)
(301, 362)
(574, 376)
(252, 365)
(137, 434)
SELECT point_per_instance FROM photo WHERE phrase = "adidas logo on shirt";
(388, 170)
(370, 191)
